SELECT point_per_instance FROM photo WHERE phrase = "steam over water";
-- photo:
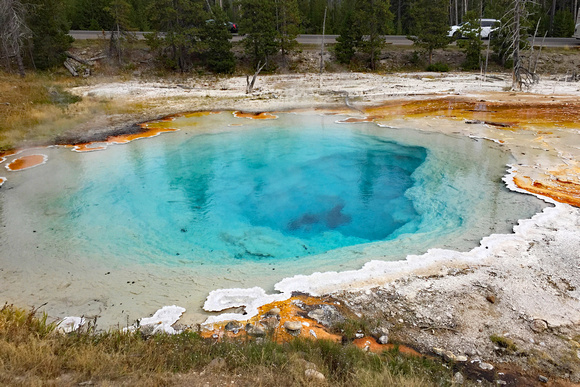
(219, 204)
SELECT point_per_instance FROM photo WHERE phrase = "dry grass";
(38, 109)
(33, 353)
(34, 109)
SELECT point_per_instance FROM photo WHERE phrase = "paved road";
(317, 39)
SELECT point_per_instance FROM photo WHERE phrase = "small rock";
(539, 326)
(383, 339)
(293, 326)
(461, 359)
(543, 379)
(449, 356)
(306, 364)
(458, 378)
(313, 374)
(438, 351)
(147, 330)
(273, 312)
(232, 325)
(377, 332)
(326, 315)
(485, 366)
(312, 333)
(255, 330)
(216, 364)
(359, 335)
(270, 322)
(491, 298)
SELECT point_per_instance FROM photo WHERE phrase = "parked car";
(232, 27)
(488, 26)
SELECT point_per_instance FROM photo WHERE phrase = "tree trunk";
(516, 56)
(20, 63)
(552, 14)
(250, 85)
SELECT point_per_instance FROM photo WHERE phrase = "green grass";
(504, 342)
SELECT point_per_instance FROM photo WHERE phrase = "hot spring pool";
(233, 202)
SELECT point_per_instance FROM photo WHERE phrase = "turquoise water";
(232, 202)
(270, 192)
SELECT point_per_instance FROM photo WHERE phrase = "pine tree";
(472, 44)
(180, 22)
(375, 20)
(260, 27)
(50, 39)
(90, 15)
(350, 35)
(431, 26)
(288, 24)
(218, 56)
(364, 24)
(120, 11)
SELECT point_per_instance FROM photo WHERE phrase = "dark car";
(232, 27)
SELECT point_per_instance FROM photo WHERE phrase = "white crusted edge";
(44, 160)
(163, 320)
(375, 272)
(104, 145)
(70, 324)
(2, 180)
(251, 299)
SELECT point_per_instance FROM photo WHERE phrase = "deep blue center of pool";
(254, 193)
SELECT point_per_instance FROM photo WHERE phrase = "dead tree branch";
(13, 33)
(250, 85)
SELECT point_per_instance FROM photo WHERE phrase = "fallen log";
(71, 69)
(80, 60)
(99, 57)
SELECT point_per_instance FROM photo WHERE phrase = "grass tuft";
(504, 342)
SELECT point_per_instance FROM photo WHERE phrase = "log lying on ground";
(80, 60)
(71, 68)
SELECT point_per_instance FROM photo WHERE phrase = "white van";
(487, 27)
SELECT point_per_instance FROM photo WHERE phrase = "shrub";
(438, 67)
